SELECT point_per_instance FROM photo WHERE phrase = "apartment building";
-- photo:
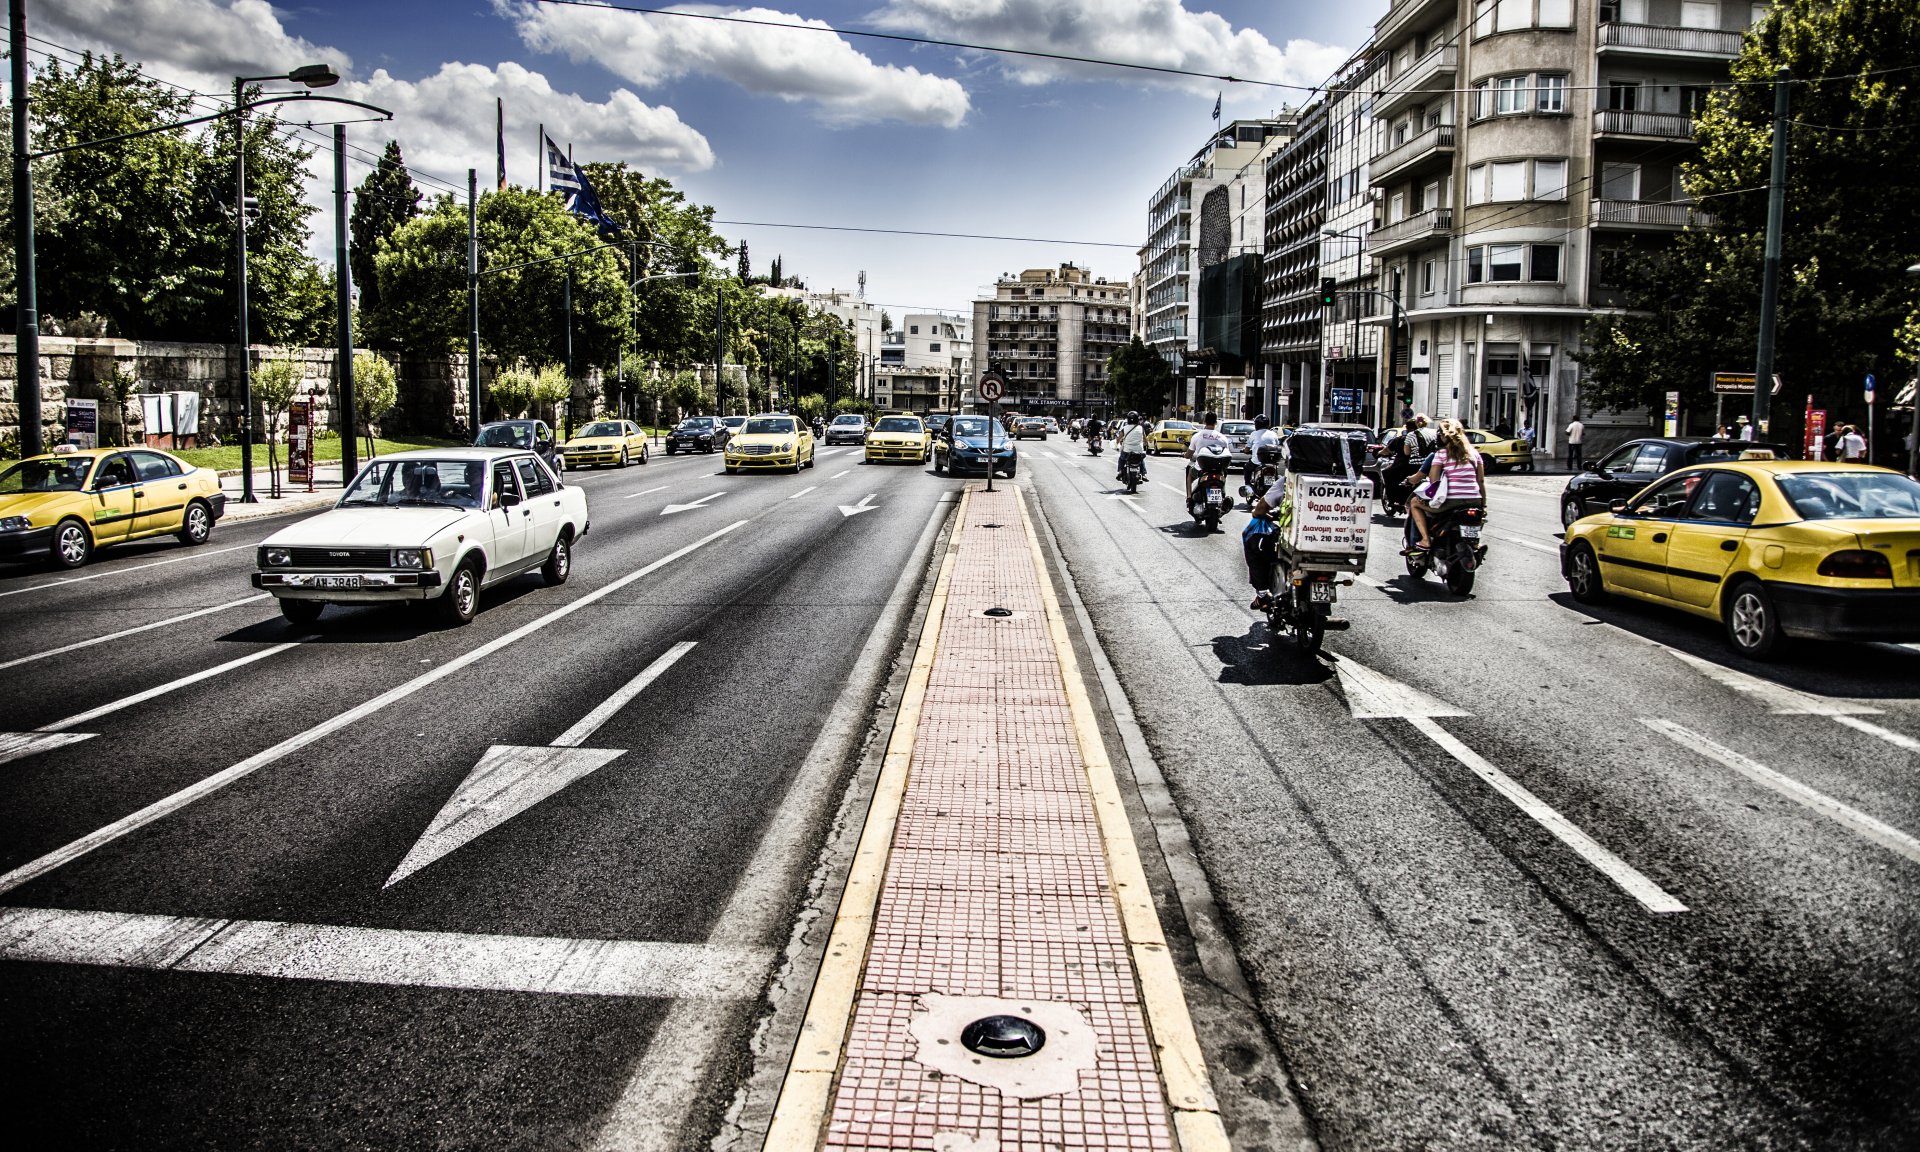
(1519, 145)
(1051, 331)
(925, 356)
(1224, 186)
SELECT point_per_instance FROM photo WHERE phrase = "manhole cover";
(998, 612)
(1003, 1037)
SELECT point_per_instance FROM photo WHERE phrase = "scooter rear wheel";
(1308, 633)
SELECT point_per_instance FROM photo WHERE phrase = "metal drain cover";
(1003, 1037)
(996, 612)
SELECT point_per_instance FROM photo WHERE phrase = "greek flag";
(565, 177)
(1216, 108)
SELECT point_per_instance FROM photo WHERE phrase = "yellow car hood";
(774, 438)
(42, 508)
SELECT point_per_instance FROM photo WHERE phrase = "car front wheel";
(196, 525)
(72, 544)
(1753, 624)
(462, 598)
(1583, 575)
(1570, 510)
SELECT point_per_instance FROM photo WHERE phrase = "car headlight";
(416, 558)
(276, 557)
(14, 524)
(786, 446)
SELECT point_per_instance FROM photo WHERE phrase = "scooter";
(1073, 431)
(1133, 471)
(1093, 444)
(1456, 553)
(1208, 500)
(1304, 607)
(1390, 481)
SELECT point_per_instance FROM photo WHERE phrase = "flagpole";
(540, 168)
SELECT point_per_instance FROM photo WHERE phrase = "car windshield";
(603, 428)
(769, 426)
(56, 475)
(1851, 495)
(897, 424)
(1178, 425)
(849, 419)
(696, 424)
(969, 426)
(506, 436)
(734, 421)
(418, 483)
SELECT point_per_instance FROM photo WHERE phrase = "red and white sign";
(300, 443)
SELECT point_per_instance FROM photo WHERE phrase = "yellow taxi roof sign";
(1759, 454)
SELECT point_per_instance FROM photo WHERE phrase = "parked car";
(773, 440)
(606, 442)
(962, 447)
(899, 438)
(439, 524)
(528, 435)
(1170, 436)
(1772, 549)
(1632, 466)
(847, 428)
(734, 424)
(1501, 452)
(1030, 428)
(697, 434)
(1239, 434)
(68, 502)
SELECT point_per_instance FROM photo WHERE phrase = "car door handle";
(526, 511)
(1729, 545)
(183, 487)
(1659, 537)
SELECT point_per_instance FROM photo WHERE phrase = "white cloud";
(1161, 33)
(813, 67)
(203, 44)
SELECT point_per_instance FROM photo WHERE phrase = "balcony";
(1425, 79)
(1660, 42)
(1434, 146)
(1642, 125)
(1648, 214)
(1415, 230)
(1404, 16)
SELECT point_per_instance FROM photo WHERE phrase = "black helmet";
(1133, 417)
(1261, 421)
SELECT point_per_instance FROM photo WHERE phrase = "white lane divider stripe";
(1853, 819)
(124, 632)
(646, 492)
(1897, 739)
(1549, 549)
(383, 955)
(839, 474)
(79, 718)
(803, 491)
(1651, 896)
(196, 554)
(591, 722)
(211, 784)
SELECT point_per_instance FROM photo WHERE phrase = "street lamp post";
(1913, 437)
(313, 76)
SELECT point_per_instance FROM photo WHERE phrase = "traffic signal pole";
(1770, 274)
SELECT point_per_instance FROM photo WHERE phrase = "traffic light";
(1326, 292)
(1406, 390)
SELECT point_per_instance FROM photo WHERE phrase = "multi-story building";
(923, 347)
(1519, 144)
(1224, 184)
(1051, 332)
(1349, 344)
(917, 390)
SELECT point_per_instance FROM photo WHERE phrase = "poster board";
(300, 442)
(83, 423)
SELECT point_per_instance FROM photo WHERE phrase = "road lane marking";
(196, 554)
(1897, 739)
(1363, 578)
(395, 957)
(804, 491)
(1853, 819)
(1526, 543)
(866, 505)
(125, 632)
(17, 745)
(1372, 695)
(700, 503)
(839, 474)
(646, 492)
(591, 722)
(214, 783)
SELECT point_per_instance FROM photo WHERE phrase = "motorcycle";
(1073, 431)
(1390, 481)
(1304, 607)
(1456, 553)
(1093, 444)
(1208, 501)
(1133, 471)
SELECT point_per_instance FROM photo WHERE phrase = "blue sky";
(790, 127)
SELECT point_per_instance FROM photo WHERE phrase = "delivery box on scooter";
(1328, 502)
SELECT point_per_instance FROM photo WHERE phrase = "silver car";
(1240, 434)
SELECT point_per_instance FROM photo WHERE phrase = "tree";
(120, 385)
(384, 201)
(512, 390)
(811, 407)
(1140, 378)
(886, 321)
(275, 383)
(375, 392)
(773, 274)
(1850, 228)
(551, 386)
(746, 267)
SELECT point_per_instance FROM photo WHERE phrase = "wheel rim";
(463, 592)
(1582, 572)
(562, 557)
(1749, 621)
(1569, 512)
(73, 544)
(197, 526)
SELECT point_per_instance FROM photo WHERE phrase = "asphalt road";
(1440, 969)
(446, 961)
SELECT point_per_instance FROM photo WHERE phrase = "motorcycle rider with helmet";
(1133, 446)
(1208, 441)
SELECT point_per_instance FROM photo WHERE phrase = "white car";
(437, 522)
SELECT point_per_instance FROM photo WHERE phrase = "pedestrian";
(1746, 429)
(1576, 434)
(1852, 447)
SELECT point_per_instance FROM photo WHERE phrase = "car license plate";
(336, 581)
(1470, 531)
(1321, 593)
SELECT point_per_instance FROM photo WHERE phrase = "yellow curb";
(1183, 1068)
(806, 1095)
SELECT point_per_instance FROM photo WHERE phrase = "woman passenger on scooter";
(1457, 468)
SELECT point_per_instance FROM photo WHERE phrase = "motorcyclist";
(1133, 446)
(1208, 441)
(1407, 451)
(1263, 433)
(1465, 473)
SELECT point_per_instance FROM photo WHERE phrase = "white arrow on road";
(866, 505)
(1373, 696)
(700, 503)
(510, 779)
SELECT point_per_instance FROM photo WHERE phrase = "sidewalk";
(996, 877)
(326, 490)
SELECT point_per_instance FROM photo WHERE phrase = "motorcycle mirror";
(1245, 491)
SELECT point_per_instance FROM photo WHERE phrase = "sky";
(777, 128)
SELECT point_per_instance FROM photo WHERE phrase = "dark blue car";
(962, 447)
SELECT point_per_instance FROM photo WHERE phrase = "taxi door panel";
(160, 497)
(1633, 554)
(1706, 544)
(111, 503)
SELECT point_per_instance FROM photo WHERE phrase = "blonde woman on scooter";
(1455, 477)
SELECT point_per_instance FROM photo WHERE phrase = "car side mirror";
(1617, 507)
(1596, 468)
(509, 499)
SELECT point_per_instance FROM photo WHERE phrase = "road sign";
(1344, 401)
(1733, 383)
(992, 387)
(1869, 388)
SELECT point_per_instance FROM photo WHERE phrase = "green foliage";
(275, 383)
(687, 394)
(376, 389)
(1139, 378)
(120, 385)
(1850, 228)
(551, 386)
(384, 201)
(852, 404)
(812, 406)
(512, 390)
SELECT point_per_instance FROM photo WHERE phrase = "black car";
(697, 434)
(531, 435)
(1637, 463)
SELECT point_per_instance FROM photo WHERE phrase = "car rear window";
(1851, 495)
(1237, 427)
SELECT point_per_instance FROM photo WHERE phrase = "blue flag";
(1216, 109)
(565, 177)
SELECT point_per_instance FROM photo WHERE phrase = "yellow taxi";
(1773, 549)
(604, 442)
(1501, 451)
(1170, 436)
(771, 440)
(899, 437)
(68, 502)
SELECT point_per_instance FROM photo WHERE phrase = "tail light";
(1857, 564)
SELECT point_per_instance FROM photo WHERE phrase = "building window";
(1512, 263)
(1549, 179)
(1543, 265)
(1550, 92)
(1426, 277)
(1508, 180)
(1509, 95)
(1623, 95)
(1490, 16)
(1699, 14)
(913, 329)
(933, 347)
(1693, 99)
(1620, 181)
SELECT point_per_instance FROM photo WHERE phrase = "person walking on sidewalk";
(1576, 434)
(1851, 446)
